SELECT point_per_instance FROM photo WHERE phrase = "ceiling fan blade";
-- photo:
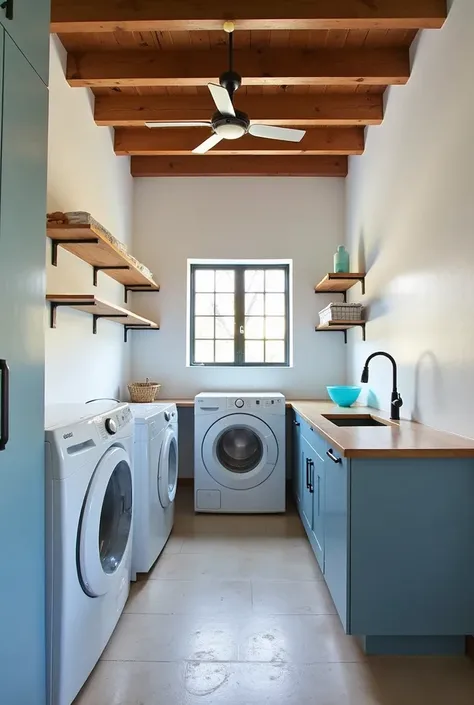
(270, 132)
(178, 124)
(222, 99)
(207, 144)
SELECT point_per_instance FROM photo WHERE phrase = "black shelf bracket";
(143, 288)
(96, 316)
(127, 328)
(56, 243)
(54, 305)
(338, 330)
(104, 269)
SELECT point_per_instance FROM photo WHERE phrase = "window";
(239, 314)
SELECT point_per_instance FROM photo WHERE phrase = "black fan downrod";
(231, 80)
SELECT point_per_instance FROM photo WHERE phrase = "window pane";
(275, 280)
(225, 327)
(204, 327)
(204, 280)
(275, 304)
(204, 351)
(224, 304)
(254, 304)
(275, 327)
(254, 351)
(254, 327)
(224, 351)
(225, 280)
(204, 305)
(274, 351)
(254, 280)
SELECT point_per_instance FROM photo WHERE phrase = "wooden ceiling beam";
(273, 67)
(187, 15)
(284, 110)
(146, 141)
(238, 166)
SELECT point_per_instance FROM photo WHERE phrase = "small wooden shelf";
(88, 303)
(91, 246)
(339, 283)
(343, 326)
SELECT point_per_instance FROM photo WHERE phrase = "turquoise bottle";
(341, 260)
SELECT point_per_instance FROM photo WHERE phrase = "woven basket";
(143, 392)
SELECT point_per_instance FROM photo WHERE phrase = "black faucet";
(396, 401)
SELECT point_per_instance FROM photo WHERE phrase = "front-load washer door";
(239, 451)
(168, 468)
(106, 522)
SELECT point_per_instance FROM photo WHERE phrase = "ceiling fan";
(228, 123)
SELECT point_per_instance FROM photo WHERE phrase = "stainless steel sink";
(355, 420)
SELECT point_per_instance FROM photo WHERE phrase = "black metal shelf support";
(96, 316)
(143, 288)
(127, 328)
(96, 270)
(338, 330)
(56, 243)
(54, 305)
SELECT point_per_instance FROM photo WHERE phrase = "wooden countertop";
(400, 439)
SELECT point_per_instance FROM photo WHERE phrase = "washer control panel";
(110, 423)
(248, 403)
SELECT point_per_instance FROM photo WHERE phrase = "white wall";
(410, 221)
(237, 218)
(84, 174)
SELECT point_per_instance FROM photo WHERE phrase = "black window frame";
(239, 339)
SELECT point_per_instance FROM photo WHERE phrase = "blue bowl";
(344, 396)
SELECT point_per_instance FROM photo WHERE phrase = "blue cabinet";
(298, 463)
(27, 23)
(318, 478)
(310, 474)
(24, 111)
(336, 534)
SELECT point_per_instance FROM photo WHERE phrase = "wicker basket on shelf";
(143, 392)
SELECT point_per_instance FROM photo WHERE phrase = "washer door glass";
(105, 527)
(168, 468)
(239, 449)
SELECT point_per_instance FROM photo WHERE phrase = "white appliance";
(156, 479)
(239, 452)
(89, 536)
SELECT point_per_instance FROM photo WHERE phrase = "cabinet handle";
(296, 423)
(333, 457)
(307, 473)
(5, 404)
(311, 477)
(8, 7)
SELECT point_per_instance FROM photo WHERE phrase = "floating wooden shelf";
(88, 303)
(339, 283)
(343, 326)
(91, 246)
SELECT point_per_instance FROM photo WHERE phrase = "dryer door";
(106, 521)
(239, 451)
(168, 468)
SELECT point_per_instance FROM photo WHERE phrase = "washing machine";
(239, 453)
(89, 450)
(156, 479)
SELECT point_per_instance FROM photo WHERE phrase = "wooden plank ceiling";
(321, 65)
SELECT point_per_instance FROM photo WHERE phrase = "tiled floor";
(235, 612)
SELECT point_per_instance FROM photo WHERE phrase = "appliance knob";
(111, 426)
(167, 416)
(239, 403)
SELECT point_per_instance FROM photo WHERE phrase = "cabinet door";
(307, 490)
(336, 571)
(22, 309)
(29, 28)
(297, 471)
(317, 474)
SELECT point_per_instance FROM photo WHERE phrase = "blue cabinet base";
(413, 645)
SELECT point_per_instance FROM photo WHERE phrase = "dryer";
(89, 537)
(156, 479)
(239, 444)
